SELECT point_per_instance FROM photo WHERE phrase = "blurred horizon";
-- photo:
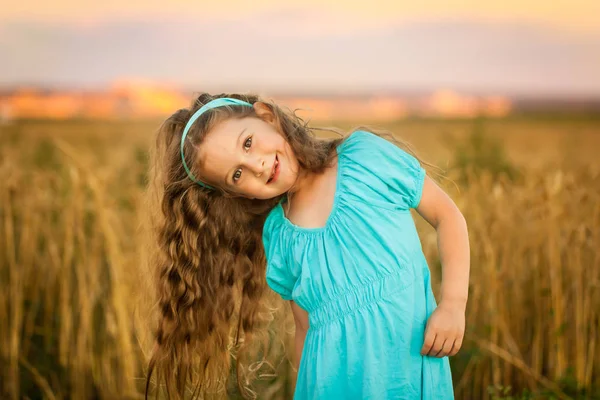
(509, 49)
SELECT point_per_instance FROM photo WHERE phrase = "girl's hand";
(445, 331)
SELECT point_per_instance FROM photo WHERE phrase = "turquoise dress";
(364, 281)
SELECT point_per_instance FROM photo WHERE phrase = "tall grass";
(72, 277)
(65, 296)
(534, 306)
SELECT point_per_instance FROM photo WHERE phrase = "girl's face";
(248, 156)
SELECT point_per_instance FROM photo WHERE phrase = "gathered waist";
(361, 296)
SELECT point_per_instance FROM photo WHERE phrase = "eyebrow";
(237, 144)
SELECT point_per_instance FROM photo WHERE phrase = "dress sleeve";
(279, 276)
(397, 172)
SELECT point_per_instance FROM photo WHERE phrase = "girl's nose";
(257, 166)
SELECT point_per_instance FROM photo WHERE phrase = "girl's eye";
(237, 175)
(248, 143)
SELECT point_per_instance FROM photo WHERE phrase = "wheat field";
(74, 322)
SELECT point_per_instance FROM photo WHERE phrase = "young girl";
(250, 196)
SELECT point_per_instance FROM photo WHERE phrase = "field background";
(72, 320)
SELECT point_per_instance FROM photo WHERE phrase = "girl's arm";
(446, 326)
(301, 320)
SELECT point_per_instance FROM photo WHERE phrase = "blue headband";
(224, 101)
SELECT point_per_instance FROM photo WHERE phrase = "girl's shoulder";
(280, 277)
(355, 139)
(362, 136)
(372, 150)
(273, 223)
(362, 143)
(379, 168)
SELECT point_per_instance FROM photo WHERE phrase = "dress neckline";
(336, 197)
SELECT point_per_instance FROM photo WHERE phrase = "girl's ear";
(264, 111)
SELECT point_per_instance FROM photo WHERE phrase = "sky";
(497, 47)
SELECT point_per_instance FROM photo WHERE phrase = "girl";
(250, 197)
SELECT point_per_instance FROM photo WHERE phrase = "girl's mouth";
(275, 172)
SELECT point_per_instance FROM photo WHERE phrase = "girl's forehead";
(215, 161)
(220, 149)
(230, 133)
(226, 127)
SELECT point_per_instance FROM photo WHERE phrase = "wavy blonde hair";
(209, 263)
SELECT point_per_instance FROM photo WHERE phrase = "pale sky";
(571, 14)
(509, 46)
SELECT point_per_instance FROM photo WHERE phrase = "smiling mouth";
(274, 171)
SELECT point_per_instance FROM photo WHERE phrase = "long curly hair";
(209, 263)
